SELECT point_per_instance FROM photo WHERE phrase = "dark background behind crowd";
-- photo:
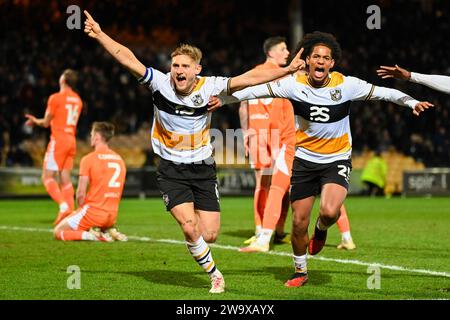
(36, 46)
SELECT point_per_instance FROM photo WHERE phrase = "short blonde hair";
(188, 50)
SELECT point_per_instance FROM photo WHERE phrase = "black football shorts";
(308, 177)
(189, 182)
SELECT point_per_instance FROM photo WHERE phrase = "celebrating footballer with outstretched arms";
(288, 87)
(322, 162)
(186, 175)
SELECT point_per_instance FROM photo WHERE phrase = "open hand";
(393, 72)
(421, 106)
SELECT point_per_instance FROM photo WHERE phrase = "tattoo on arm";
(186, 222)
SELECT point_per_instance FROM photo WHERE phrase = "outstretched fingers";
(386, 72)
(422, 106)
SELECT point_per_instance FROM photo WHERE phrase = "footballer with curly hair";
(322, 163)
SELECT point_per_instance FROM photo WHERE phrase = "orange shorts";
(282, 168)
(85, 218)
(60, 154)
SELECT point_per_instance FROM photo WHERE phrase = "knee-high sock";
(68, 194)
(53, 190)
(75, 235)
(278, 187)
(273, 208)
(284, 212)
(201, 252)
(343, 223)
(259, 204)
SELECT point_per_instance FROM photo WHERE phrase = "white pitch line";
(276, 253)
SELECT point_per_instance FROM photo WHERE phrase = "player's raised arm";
(433, 81)
(121, 53)
(400, 98)
(363, 90)
(258, 76)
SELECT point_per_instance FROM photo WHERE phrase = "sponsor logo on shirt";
(259, 116)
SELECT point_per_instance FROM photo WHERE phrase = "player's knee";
(329, 212)
(47, 175)
(57, 233)
(44, 178)
(190, 231)
(300, 223)
(66, 179)
(210, 236)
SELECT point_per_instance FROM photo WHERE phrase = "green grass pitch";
(408, 237)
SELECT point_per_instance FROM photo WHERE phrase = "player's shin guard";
(68, 194)
(53, 190)
(75, 235)
(201, 252)
(343, 223)
(259, 204)
(285, 203)
(273, 208)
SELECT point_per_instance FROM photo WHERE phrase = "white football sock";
(258, 230)
(63, 207)
(201, 252)
(346, 236)
(300, 263)
(264, 237)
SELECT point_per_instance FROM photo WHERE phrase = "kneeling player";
(104, 171)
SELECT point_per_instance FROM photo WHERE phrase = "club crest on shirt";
(197, 100)
(336, 94)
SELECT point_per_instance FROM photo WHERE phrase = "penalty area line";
(276, 253)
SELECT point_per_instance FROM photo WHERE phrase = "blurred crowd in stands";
(37, 46)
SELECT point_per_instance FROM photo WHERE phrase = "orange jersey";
(65, 107)
(265, 115)
(106, 171)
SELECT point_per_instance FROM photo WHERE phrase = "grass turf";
(412, 233)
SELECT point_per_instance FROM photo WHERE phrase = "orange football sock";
(273, 207)
(68, 194)
(343, 223)
(278, 187)
(75, 235)
(259, 204)
(53, 190)
(284, 212)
